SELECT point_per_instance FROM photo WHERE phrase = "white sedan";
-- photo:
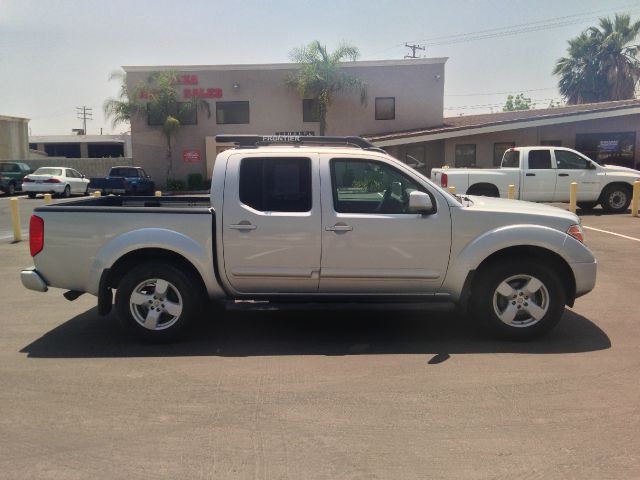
(61, 181)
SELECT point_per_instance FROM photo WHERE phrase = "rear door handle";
(530, 174)
(244, 225)
(563, 174)
(339, 228)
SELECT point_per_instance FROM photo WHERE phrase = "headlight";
(576, 232)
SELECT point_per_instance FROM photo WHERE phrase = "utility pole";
(84, 113)
(413, 50)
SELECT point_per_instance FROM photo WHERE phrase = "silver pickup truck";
(312, 219)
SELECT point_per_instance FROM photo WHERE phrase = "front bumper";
(32, 280)
(585, 275)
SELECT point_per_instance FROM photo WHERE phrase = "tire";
(31, 195)
(67, 192)
(11, 189)
(506, 292)
(616, 198)
(86, 191)
(587, 205)
(173, 292)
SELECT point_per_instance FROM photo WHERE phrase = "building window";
(613, 148)
(187, 114)
(385, 108)
(465, 155)
(310, 110)
(232, 112)
(498, 151)
(69, 150)
(551, 143)
(276, 184)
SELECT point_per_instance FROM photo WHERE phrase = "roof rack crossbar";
(253, 141)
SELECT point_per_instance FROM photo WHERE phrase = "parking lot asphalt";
(350, 394)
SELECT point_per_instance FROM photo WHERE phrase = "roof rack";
(254, 141)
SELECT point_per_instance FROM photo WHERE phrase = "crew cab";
(544, 174)
(11, 175)
(123, 180)
(312, 219)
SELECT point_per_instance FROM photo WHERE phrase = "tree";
(158, 99)
(602, 63)
(519, 102)
(321, 78)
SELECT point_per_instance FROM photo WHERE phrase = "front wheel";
(616, 198)
(157, 301)
(519, 299)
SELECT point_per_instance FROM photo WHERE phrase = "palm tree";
(602, 63)
(158, 99)
(320, 76)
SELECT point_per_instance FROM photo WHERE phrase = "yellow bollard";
(96, 194)
(635, 200)
(452, 189)
(15, 219)
(158, 193)
(512, 192)
(573, 196)
(47, 198)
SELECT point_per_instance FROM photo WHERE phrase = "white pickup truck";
(544, 174)
(312, 219)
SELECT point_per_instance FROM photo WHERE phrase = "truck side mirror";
(420, 202)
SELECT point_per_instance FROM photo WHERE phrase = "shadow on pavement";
(339, 332)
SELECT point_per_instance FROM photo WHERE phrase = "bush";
(175, 185)
(195, 181)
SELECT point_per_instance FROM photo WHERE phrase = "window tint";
(365, 186)
(570, 160)
(385, 108)
(498, 151)
(123, 172)
(232, 112)
(276, 184)
(310, 110)
(511, 159)
(48, 171)
(465, 155)
(539, 159)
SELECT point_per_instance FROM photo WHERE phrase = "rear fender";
(200, 256)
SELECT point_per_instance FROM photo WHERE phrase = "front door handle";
(563, 174)
(339, 227)
(243, 225)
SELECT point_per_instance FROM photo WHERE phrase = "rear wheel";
(519, 299)
(157, 301)
(616, 198)
(11, 189)
(67, 192)
(31, 195)
(485, 190)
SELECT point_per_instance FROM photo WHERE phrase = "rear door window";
(276, 184)
(539, 159)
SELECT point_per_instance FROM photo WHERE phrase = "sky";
(56, 55)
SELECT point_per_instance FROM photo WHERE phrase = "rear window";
(9, 167)
(48, 171)
(539, 159)
(276, 184)
(123, 172)
(511, 159)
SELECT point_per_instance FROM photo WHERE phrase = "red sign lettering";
(203, 92)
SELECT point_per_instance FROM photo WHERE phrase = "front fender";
(200, 256)
(476, 251)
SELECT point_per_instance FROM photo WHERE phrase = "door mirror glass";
(420, 202)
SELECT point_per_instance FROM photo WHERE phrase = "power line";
(84, 113)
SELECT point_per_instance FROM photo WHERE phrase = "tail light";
(52, 180)
(444, 180)
(27, 180)
(36, 235)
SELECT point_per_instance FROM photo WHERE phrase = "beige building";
(607, 132)
(14, 138)
(402, 94)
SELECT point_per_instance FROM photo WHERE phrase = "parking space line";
(612, 233)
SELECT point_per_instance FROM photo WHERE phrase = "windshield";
(48, 171)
